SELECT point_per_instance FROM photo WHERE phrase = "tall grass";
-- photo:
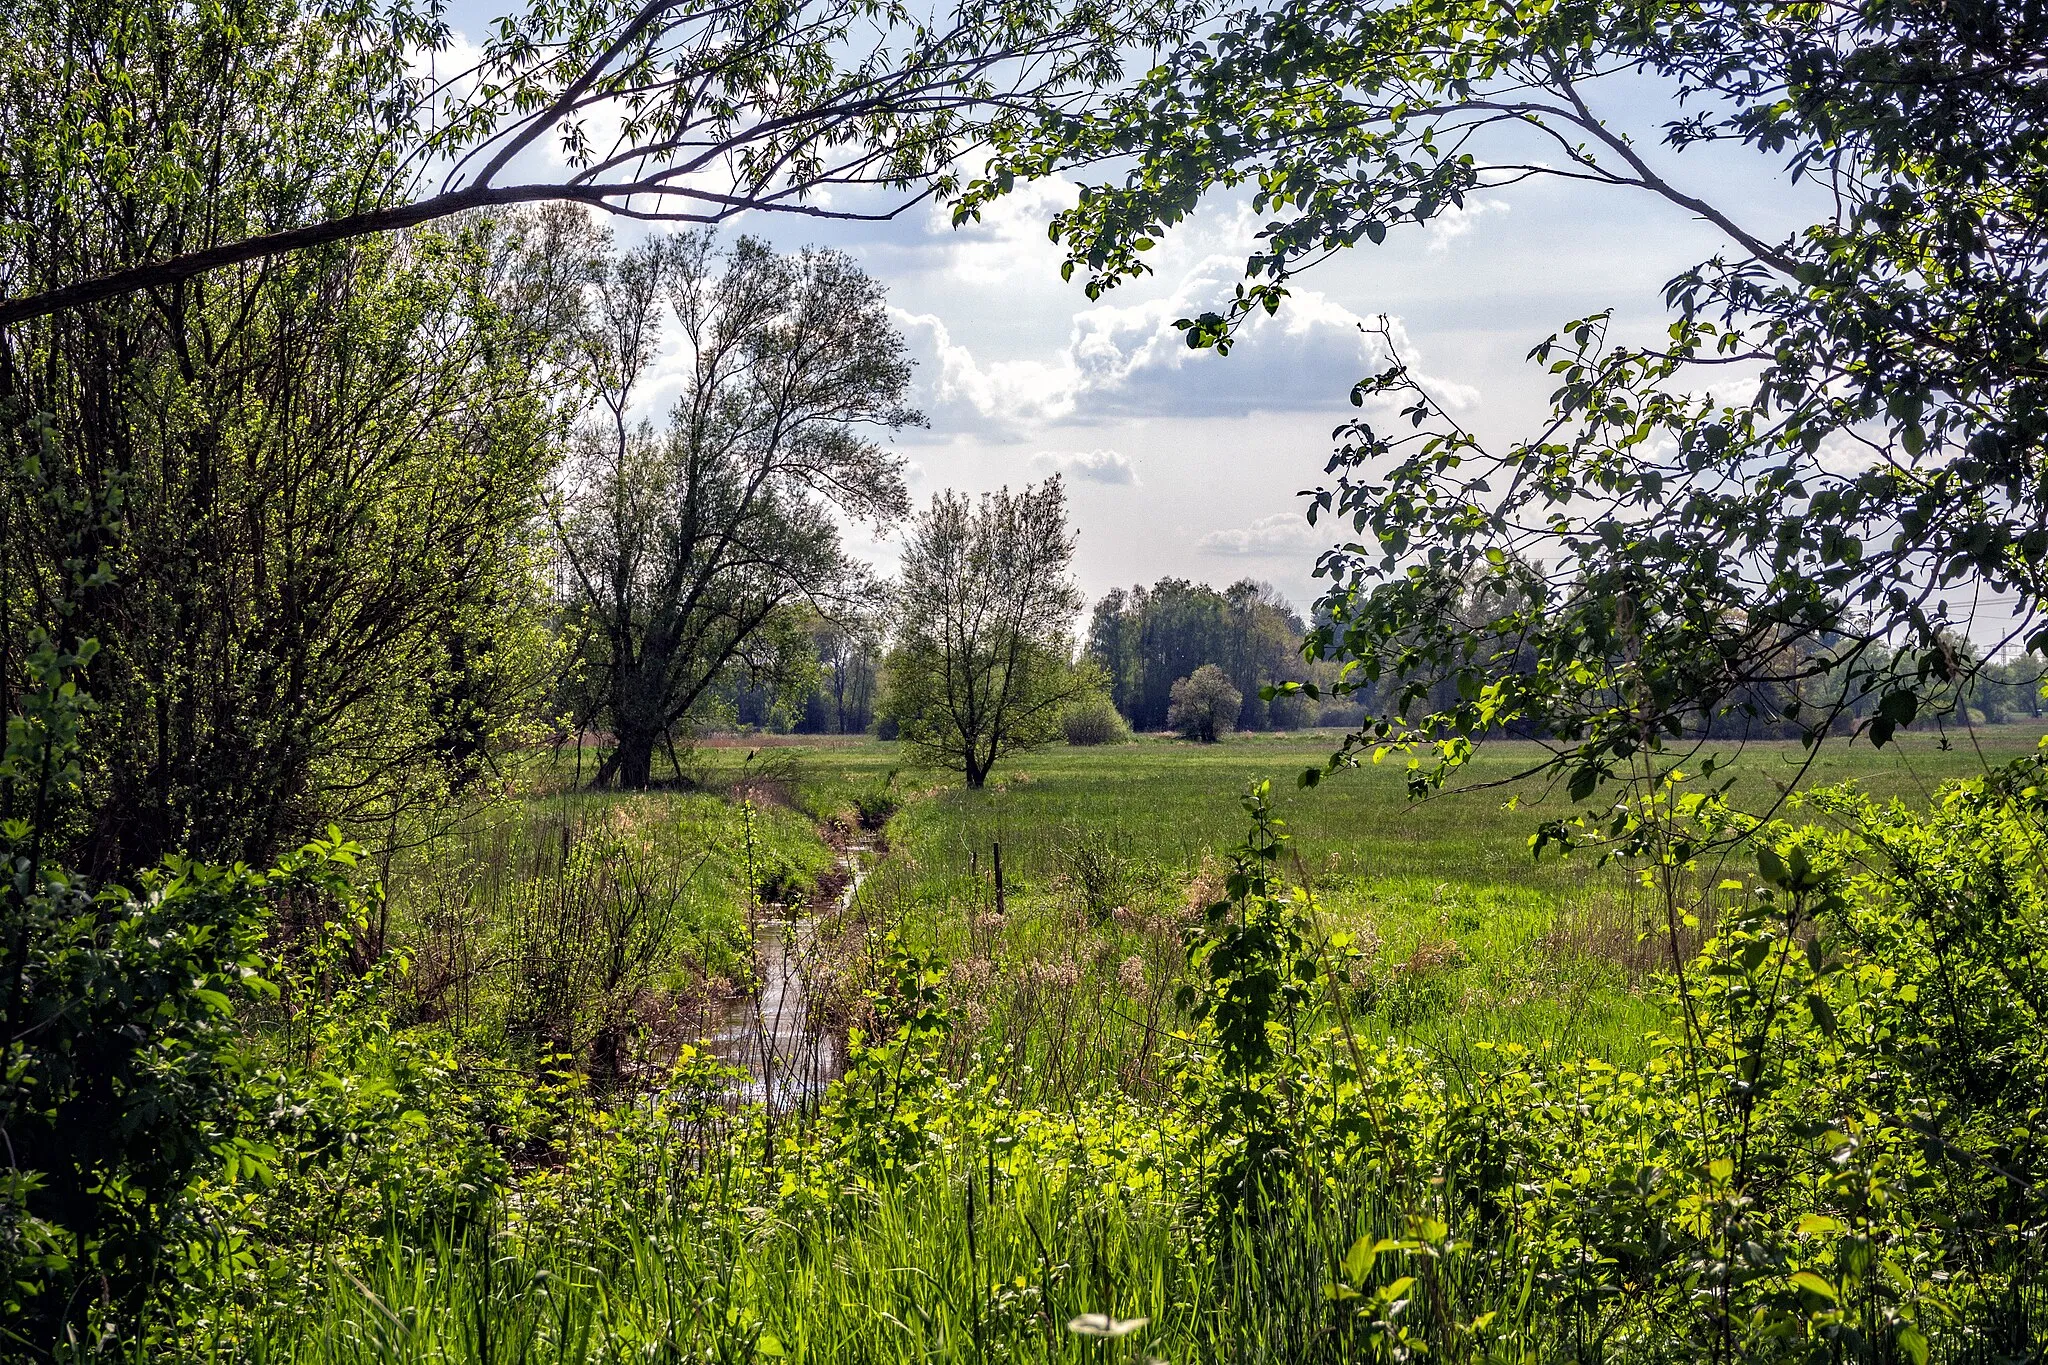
(1058, 1169)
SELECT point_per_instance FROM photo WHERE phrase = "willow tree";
(983, 665)
(683, 545)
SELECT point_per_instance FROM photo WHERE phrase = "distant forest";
(1146, 639)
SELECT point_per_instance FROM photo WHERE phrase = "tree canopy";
(335, 119)
(1789, 499)
(298, 509)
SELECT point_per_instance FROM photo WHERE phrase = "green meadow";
(1471, 934)
(1023, 1158)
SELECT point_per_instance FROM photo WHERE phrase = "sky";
(1192, 464)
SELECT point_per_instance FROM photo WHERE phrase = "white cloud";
(1008, 239)
(1283, 533)
(1091, 466)
(1014, 390)
(1456, 222)
(1129, 359)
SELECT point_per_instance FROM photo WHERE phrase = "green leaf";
(1358, 1261)
(1813, 1284)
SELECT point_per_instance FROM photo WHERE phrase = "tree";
(707, 110)
(297, 508)
(1791, 495)
(1145, 639)
(1204, 705)
(983, 662)
(685, 548)
(849, 654)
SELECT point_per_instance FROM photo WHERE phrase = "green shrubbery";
(1094, 720)
(233, 1130)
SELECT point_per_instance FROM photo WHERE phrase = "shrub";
(119, 1069)
(1094, 720)
(1203, 706)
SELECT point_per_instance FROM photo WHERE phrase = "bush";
(1094, 720)
(1203, 706)
(119, 1072)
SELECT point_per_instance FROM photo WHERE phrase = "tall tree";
(1147, 639)
(689, 110)
(682, 546)
(983, 666)
(1795, 492)
(298, 509)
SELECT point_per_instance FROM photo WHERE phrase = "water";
(789, 1057)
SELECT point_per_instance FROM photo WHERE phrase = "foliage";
(1257, 974)
(328, 617)
(1094, 720)
(1147, 638)
(983, 661)
(120, 1071)
(685, 111)
(685, 551)
(1203, 705)
(1780, 509)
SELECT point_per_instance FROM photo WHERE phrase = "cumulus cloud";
(1091, 466)
(1026, 390)
(1128, 359)
(1454, 223)
(1283, 533)
(1009, 238)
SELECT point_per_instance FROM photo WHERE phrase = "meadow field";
(1027, 1149)
(1472, 935)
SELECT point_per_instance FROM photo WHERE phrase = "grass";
(1470, 937)
(1055, 1178)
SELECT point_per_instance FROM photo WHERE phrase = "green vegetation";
(344, 1017)
(1315, 1179)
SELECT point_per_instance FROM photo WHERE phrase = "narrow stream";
(788, 1057)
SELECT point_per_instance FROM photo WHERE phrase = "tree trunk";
(635, 758)
(636, 728)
